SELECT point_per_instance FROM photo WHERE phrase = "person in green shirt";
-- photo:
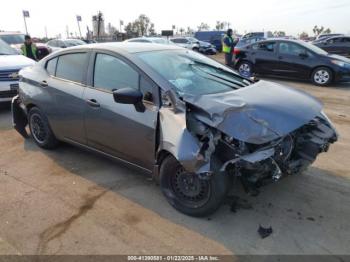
(29, 48)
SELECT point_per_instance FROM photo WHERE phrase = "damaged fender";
(177, 140)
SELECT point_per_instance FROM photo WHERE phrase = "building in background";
(98, 25)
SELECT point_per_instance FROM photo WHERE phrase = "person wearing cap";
(29, 48)
(227, 47)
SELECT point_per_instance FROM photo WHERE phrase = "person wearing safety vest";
(227, 47)
(29, 48)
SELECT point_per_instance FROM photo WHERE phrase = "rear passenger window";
(72, 66)
(51, 66)
(112, 73)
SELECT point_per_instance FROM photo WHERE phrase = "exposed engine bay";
(260, 164)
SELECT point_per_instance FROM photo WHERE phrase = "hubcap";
(190, 189)
(321, 77)
(37, 128)
(244, 70)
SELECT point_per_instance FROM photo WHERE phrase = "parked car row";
(339, 45)
(291, 58)
(186, 42)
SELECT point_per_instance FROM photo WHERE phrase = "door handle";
(93, 103)
(280, 57)
(43, 83)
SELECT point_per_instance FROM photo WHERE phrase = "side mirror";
(129, 96)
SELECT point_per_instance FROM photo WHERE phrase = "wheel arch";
(320, 66)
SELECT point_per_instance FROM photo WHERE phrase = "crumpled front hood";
(258, 113)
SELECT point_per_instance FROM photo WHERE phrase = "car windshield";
(13, 39)
(314, 48)
(74, 42)
(5, 49)
(191, 73)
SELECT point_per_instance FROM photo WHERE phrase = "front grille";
(8, 93)
(5, 75)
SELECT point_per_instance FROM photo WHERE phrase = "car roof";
(127, 47)
(276, 39)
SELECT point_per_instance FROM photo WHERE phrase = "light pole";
(79, 20)
(25, 14)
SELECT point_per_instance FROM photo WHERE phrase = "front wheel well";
(29, 106)
(161, 155)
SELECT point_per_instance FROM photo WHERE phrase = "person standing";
(227, 47)
(29, 48)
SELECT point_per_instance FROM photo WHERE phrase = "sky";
(293, 16)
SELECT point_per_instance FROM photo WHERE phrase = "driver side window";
(111, 73)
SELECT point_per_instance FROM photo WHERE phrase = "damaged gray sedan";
(191, 122)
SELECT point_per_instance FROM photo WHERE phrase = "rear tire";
(40, 129)
(245, 69)
(322, 76)
(190, 194)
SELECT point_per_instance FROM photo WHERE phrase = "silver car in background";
(58, 44)
(192, 123)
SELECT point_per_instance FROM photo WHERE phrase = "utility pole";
(67, 31)
(99, 19)
(121, 22)
(25, 14)
(46, 32)
(79, 20)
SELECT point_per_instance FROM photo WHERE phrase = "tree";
(151, 30)
(303, 35)
(203, 27)
(111, 29)
(189, 31)
(140, 27)
(317, 30)
(131, 29)
(327, 31)
(182, 30)
(219, 25)
(279, 34)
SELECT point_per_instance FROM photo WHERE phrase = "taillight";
(236, 51)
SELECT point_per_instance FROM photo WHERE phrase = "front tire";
(245, 69)
(190, 194)
(40, 129)
(322, 76)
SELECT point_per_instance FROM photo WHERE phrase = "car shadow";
(5, 116)
(301, 209)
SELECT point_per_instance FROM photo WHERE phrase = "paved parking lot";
(69, 201)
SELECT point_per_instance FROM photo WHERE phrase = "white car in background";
(155, 40)
(10, 63)
(58, 44)
(186, 42)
